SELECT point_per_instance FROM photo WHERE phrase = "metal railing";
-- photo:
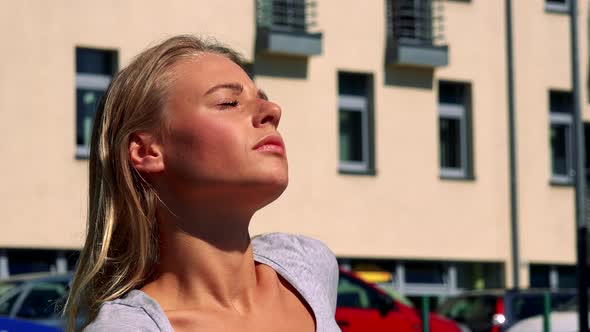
(416, 21)
(286, 15)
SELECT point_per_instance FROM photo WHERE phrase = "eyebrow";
(237, 87)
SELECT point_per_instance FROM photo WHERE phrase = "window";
(567, 276)
(289, 15)
(455, 130)
(355, 123)
(528, 305)
(424, 273)
(412, 20)
(353, 294)
(287, 27)
(471, 310)
(42, 301)
(8, 301)
(560, 6)
(94, 70)
(30, 261)
(561, 136)
(539, 276)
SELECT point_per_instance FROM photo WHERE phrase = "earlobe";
(145, 153)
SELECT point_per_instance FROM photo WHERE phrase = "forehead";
(203, 71)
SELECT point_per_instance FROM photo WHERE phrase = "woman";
(184, 151)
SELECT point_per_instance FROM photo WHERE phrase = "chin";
(274, 175)
(272, 188)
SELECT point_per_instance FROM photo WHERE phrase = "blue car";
(17, 325)
(33, 299)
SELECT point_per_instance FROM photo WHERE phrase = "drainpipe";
(512, 148)
(580, 179)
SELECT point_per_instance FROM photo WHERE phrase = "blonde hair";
(121, 247)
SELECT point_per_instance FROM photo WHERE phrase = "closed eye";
(228, 104)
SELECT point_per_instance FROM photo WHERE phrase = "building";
(394, 115)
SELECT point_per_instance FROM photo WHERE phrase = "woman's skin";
(219, 161)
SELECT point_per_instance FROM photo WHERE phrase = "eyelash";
(228, 104)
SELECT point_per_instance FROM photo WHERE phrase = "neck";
(206, 260)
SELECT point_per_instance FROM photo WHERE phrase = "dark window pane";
(95, 61)
(480, 275)
(557, 2)
(72, 258)
(42, 301)
(452, 93)
(353, 84)
(28, 261)
(539, 276)
(87, 101)
(424, 273)
(567, 276)
(559, 149)
(450, 143)
(561, 102)
(351, 135)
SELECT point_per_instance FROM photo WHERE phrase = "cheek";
(211, 147)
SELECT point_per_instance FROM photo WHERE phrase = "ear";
(146, 153)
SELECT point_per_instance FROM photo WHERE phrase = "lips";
(271, 143)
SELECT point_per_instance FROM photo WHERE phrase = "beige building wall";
(542, 63)
(405, 211)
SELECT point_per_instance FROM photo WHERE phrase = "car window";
(353, 294)
(42, 300)
(571, 305)
(474, 311)
(7, 302)
(559, 300)
(6, 286)
(529, 305)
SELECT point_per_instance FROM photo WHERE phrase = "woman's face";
(222, 132)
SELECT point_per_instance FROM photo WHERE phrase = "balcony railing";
(286, 15)
(418, 21)
(287, 27)
(416, 26)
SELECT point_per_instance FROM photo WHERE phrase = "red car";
(362, 307)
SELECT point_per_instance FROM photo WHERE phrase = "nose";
(268, 113)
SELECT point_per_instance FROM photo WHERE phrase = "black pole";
(580, 179)
(512, 148)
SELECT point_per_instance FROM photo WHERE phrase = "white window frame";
(563, 119)
(456, 112)
(356, 104)
(557, 7)
(91, 82)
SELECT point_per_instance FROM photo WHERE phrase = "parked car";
(497, 310)
(564, 319)
(34, 297)
(363, 307)
(17, 325)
